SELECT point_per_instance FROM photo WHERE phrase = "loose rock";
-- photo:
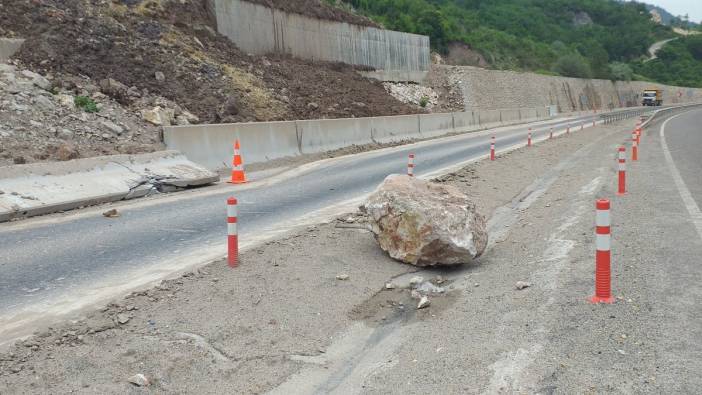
(424, 223)
(139, 380)
(111, 213)
(342, 277)
(423, 302)
(522, 285)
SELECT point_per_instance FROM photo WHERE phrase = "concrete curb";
(44, 188)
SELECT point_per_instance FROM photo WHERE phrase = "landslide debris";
(171, 49)
(317, 9)
(42, 122)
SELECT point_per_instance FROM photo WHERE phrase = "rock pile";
(417, 95)
(40, 120)
(424, 223)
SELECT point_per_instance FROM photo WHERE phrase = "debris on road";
(427, 288)
(111, 213)
(415, 281)
(520, 285)
(424, 223)
(139, 380)
(423, 302)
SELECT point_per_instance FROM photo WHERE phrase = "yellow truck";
(652, 97)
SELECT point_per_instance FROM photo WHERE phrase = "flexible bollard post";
(622, 172)
(634, 148)
(603, 258)
(232, 233)
(492, 149)
(529, 139)
(410, 165)
(550, 135)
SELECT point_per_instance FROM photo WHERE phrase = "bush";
(86, 103)
(423, 101)
(573, 65)
(621, 71)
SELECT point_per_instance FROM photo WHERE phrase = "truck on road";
(652, 97)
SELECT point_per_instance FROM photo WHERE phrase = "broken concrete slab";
(43, 188)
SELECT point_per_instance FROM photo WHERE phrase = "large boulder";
(424, 223)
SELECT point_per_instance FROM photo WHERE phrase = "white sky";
(681, 7)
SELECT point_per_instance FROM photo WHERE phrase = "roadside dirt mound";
(170, 48)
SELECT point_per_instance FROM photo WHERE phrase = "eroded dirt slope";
(171, 49)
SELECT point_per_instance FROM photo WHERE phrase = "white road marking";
(688, 200)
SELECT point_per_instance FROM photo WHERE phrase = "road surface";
(283, 323)
(57, 265)
(653, 50)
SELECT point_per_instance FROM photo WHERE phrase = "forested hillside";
(678, 63)
(578, 38)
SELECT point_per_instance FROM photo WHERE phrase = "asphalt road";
(684, 139)
(51, 267)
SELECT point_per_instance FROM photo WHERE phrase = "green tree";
(621, 71)
(573, 65)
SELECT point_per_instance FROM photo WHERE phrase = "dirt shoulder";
(250, 329)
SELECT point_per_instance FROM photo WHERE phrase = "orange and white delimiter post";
(410, 165)
(232, 233)
(603, 258)
(492, 148)
(634, 147)
(622, 172)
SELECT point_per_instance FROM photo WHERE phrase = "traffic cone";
(238, 175)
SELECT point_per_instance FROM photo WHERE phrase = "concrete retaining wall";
(258, 29)
(490, 89)
(8, 47)
(211, 145)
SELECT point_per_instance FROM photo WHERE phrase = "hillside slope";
(170, 48)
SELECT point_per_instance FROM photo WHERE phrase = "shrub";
(424, 101)
(86, 103)
(573, 65)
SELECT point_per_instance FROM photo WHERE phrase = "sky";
(681, 7)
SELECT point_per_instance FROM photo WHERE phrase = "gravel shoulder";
(284, 314)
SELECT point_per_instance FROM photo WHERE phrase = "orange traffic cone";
(238, 175)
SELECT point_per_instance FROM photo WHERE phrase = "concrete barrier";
(528, 114)
(8, 47)
(465, 121)
(43, 188)
(332, 134)
(490, 118)
(432, 125)
(394, 129)
(212, 145)
(510, 116)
